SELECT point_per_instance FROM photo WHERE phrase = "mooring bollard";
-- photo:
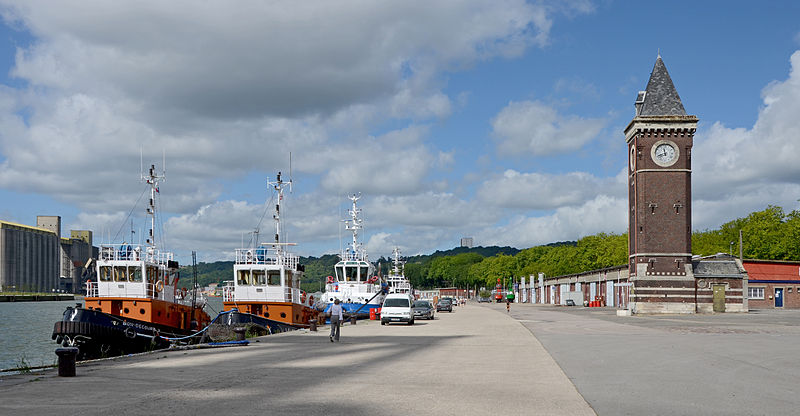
(312, 325)
(240, 331)
(66, 361)
(353, 319)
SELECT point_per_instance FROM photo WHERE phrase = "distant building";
(29, 258)
(466, 242)
(37, 258)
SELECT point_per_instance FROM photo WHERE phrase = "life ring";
(311, 300)
(159, 286)
(330, 279)
(372, 279)
(302, 296)
(184, 292)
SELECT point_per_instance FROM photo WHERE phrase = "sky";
(500, 120)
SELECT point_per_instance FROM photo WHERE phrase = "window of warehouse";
(755, 292)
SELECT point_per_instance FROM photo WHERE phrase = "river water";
(26, 327)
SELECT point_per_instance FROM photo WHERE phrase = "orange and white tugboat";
(266, 282)
(133, 300)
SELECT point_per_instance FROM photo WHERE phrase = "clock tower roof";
(660, 97)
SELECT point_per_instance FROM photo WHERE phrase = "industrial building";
(37, 259)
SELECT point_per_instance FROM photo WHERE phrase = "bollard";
(353, 319)
(66, 361)
(240, 333)
(312, 325)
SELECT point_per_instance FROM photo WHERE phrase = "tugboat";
(396, 280)
(265, 290)
(355, 284)
(133, 300)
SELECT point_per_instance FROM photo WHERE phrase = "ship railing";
(133, 252)
(267, 256)
(350, 255)
(91, 289)
(227, 291)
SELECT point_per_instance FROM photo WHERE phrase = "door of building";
(719, 298)
(778, 297)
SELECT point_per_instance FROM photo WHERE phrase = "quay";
(473, 361)
(537, 359)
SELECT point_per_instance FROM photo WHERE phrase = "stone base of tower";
(712, 284)
(651, 295)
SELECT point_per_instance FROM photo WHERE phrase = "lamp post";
(731, 251)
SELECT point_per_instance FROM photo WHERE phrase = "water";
(26, 327)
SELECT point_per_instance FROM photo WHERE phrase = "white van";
(397, 308)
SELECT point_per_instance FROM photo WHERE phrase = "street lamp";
(731, 252)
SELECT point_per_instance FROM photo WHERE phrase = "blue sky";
(499, 120)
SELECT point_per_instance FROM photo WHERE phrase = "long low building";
(738, 285)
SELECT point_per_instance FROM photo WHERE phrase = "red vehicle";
(498, 296)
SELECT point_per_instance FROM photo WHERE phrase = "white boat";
(354, 281)
(396, 280)
(266, 281)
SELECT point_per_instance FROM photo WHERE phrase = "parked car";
(423, 309)
(397, 308)
(444, 305)
(484, 300)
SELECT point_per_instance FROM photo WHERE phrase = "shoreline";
(42, 297)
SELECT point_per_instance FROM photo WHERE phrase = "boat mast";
(354, 224)
(153, 179)
(396, 262)
(278, 185)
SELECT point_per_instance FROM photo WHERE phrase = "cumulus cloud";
(531, 127)
(730, 163)
(600, 214)
(541, 191)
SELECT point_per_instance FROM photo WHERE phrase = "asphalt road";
(721, 364)
(474, 361)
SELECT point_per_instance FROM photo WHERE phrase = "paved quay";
(708, 364)
(477, 360)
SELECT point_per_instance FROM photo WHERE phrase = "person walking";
(508, 306)
(336, 320)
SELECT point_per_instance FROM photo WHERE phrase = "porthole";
(266, 315)
(283, 314)
(141, 311)
(126, 310)
(159, 313)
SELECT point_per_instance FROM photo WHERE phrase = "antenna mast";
(152, 178)
(278, 185)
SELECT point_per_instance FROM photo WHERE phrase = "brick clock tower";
(659, 142)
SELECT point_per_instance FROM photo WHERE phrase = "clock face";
(664, 153)
(633, 158)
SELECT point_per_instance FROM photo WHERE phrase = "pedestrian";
(336, 320)
(508, 306)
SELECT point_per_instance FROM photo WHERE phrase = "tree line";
(771, 234)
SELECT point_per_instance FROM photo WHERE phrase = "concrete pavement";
(476, 360)
(719, 364)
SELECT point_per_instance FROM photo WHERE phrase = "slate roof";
(716, 266)
(660, 98)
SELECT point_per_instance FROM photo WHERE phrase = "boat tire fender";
(130, 332)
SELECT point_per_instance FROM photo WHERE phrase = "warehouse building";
(37, 259)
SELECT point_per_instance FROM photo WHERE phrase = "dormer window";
(640, 102)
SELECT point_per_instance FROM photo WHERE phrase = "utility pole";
(740, 246)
